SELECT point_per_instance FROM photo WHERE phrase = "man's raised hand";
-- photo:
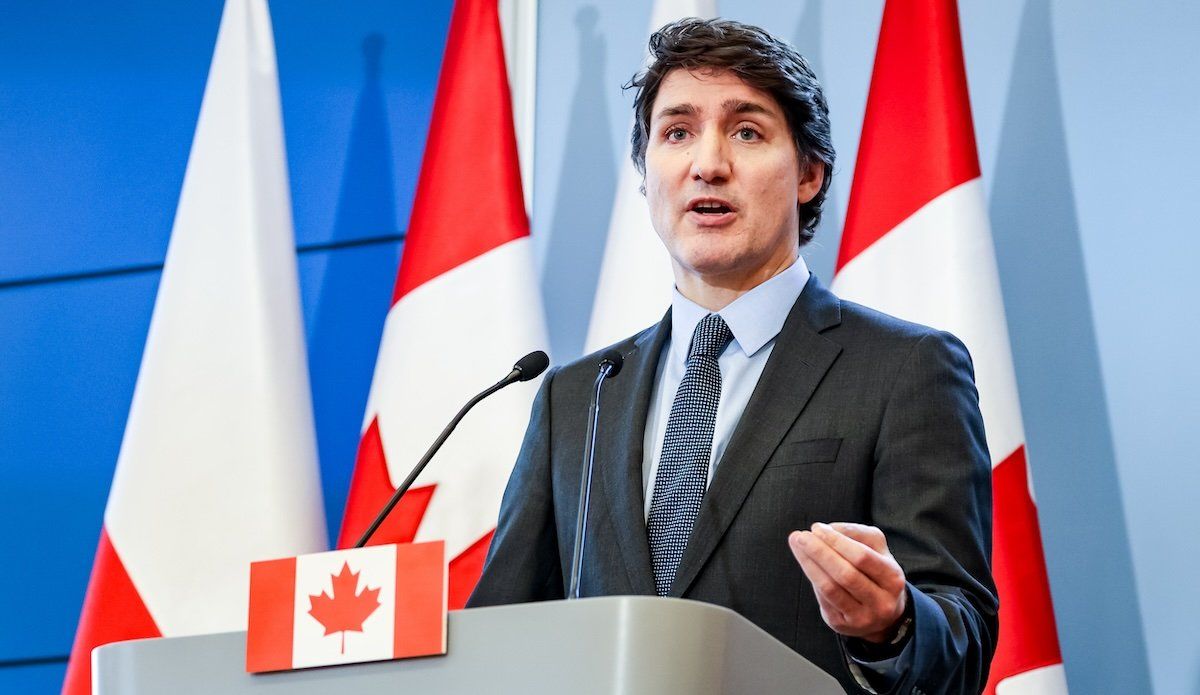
(859, 585)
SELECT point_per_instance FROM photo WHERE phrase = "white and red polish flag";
(634, 287)
(464, 309)
(218, 465)
(917, 244)
(347, 606)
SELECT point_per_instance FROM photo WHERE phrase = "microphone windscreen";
(613, 358)
(532, 365)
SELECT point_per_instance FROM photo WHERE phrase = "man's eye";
(676, 134)
(747, 134)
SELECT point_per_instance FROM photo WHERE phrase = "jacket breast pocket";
(805, 452)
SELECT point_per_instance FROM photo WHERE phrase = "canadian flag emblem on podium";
(347, 606)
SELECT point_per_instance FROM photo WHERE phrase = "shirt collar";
(754, 318)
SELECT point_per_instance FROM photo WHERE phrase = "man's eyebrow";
(743, 106)
(728, 106)
(676, 110)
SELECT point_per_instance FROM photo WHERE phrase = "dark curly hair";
(761, 61)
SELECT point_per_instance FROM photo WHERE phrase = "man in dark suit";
(814, 465)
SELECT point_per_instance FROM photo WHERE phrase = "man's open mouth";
(710, 207)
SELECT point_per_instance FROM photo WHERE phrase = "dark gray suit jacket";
(857, 416)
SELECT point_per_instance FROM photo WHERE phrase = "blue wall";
(98, 103)
(1085, 115)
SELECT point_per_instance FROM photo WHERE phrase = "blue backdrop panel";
(100, 104)
(357, 90)
(39, 678)
(70, 357)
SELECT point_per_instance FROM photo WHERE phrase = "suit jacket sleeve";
(932, 498)
(523, 563)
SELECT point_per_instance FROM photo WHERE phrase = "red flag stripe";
(486, 209)
(272, 614)
(1019, 567)
(112, 611)
(921, 46)
(420, 597)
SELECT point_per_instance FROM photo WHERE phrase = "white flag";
(218, 466)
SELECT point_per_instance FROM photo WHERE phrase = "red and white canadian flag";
(347, 606)
(218, 466)
(917, 244)
(464, 309)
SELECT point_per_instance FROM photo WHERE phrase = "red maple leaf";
(345, 610)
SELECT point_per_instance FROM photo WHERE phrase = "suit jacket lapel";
(798, 362)
(623, 409)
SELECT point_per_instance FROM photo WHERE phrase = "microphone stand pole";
(607, 368)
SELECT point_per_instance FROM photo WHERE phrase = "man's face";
(723, 180)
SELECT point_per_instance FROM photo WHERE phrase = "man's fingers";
(861, 587)
(834, 577)
(879, 566)
(870, 536)
(840, 610)
(824, 586)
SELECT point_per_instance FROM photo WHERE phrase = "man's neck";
(715, 292)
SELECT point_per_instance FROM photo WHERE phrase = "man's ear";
(812, 175)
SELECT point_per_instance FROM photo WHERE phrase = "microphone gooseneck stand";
(610, 365)
(525, 369)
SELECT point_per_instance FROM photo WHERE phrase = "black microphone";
(526, 368)
(610, 366)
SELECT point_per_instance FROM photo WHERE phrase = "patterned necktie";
(687, 445)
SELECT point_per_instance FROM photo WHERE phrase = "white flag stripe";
(634, 288)
(376, 569)
(938, 268)
(1048, 680)
(444, 342)
(218, 465)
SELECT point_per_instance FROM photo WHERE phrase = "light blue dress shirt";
(755, 320)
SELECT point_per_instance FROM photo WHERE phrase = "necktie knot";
(711, 336)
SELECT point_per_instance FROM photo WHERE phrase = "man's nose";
(710, 159)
